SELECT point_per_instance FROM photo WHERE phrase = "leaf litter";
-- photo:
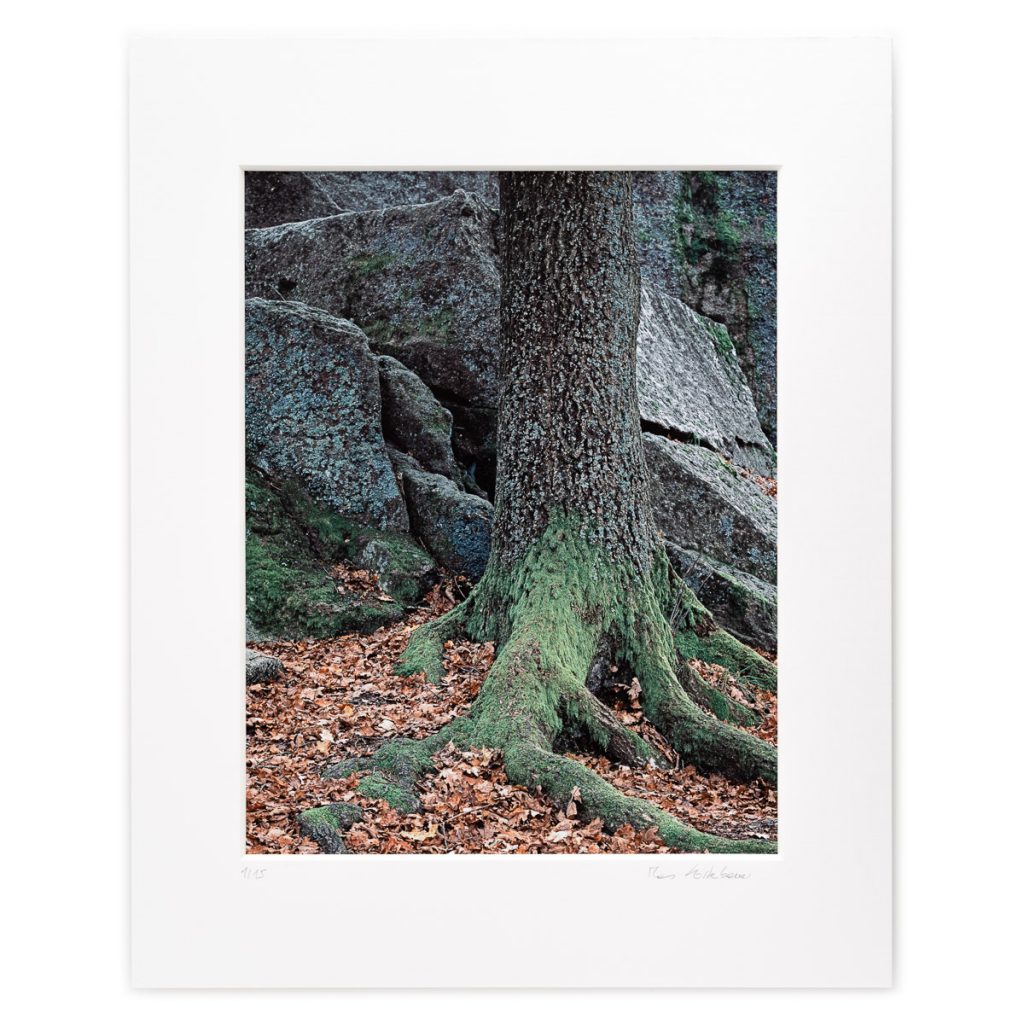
(339, 698)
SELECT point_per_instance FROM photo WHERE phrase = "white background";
(958, 372)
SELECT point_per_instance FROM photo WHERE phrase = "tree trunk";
(576, 565)
(568, 418)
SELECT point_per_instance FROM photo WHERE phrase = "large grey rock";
(690, 383)
(743, 604)
(453, 525)
(293, 544)
(422, 281)
(313, 410)
(261, 668)
(414, 421)
(280, 197)
(706, 237)
(703, 504)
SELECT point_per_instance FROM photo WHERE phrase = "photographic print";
(510, 512)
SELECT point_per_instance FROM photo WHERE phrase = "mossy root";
(606, 733)
(563, 779)
(425, 650)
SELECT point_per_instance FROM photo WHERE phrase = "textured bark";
(568, 420)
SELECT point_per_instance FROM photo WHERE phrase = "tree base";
(550, 615)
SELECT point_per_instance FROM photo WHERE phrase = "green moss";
(379, 787)
(703, 225)
(719, 704)
(324, 825)
(720, 648)
(339, 816)
(291, 540)
(723, 343)
(296, 601)
(403, 568)
(393, 771)
(563, 778)
(727, 232)
(709, 181)
(438, 325)
(580, 724)
(424, 654)
(697, 635)
(367, 264)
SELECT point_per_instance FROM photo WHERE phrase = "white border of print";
(203, 913)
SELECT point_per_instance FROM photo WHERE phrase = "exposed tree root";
(606, 733)
(324, 825)
(425, 652)
(719, 704)
(536, 693)
(701, 739)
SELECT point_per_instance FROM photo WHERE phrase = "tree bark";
(568, 416)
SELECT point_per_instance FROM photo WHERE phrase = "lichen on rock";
(313, 410)
(700, 502)
(414, 421)
(690, 384)
(453, 525)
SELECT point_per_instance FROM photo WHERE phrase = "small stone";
(261, 668)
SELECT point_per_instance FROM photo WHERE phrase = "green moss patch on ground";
(294, 548)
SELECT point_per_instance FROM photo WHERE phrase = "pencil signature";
(712, 874)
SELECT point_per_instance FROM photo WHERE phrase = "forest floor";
(339, 698)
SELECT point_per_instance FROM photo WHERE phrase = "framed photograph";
(532, 440)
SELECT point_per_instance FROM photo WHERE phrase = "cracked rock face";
(415, 421)
(421, 281)
(708, 239)
(402, 270)
(313, 411)
(727, 240)
(690, 383)
(703, 504)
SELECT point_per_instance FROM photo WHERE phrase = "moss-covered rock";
(292, 541)
(690, 383)
(404, 569)
(726, 263)
(743, 604)
(434, 304)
